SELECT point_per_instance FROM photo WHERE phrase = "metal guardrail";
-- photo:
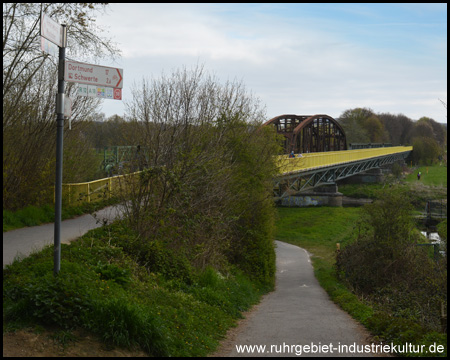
(92, 191)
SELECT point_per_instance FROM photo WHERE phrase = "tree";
(352, 121)
(207, 190)
(426, 150)
(375, 129)
(29, 88)
(397, 126)
(385, 264)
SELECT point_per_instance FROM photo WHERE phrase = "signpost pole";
(59, 155)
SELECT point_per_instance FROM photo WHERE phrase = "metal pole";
(59, 155)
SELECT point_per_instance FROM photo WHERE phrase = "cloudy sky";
(297, 58)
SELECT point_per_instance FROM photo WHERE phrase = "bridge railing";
(97, 190)
(322, 159)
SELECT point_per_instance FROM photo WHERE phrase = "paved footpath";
(22, 242)
(297, 314)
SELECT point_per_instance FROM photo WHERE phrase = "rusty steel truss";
(306, 134)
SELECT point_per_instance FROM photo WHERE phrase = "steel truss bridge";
(317, 169)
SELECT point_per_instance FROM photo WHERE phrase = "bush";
(206, 194)
(101, 289)
(60, 300)
(127, 325)
(385, 264)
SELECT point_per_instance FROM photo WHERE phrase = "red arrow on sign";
(120, 78)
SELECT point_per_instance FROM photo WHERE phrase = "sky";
(302, 59)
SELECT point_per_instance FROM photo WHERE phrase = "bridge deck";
(323, 159)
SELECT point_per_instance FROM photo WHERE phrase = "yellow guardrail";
(316, 160)
(92, 191)
(105, 188)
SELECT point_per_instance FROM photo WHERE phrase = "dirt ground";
(29, 343)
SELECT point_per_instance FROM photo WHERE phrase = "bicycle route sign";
(90, 74)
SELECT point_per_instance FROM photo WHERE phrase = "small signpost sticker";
(117, 94)
(102, 92)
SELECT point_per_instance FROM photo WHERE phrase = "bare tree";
(210, 165)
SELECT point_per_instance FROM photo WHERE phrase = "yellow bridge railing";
(316, 160)
(92, 191)
(106, 188)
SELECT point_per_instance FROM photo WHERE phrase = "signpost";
(106, 81)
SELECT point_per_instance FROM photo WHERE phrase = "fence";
(97, 190)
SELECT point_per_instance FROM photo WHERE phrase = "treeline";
(428, 137)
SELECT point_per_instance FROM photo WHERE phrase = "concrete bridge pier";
(367, 177)
(325, 195)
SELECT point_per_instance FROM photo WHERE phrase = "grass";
(37, 215)
(101, 288)
(435, 175)
(318, 230)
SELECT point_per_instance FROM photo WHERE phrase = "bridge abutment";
(325, 195)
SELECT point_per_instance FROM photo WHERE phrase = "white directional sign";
(89, 74)
(51, 30)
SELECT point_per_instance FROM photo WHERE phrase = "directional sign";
(51, 30)
(89, 74)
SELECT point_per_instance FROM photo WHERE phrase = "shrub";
(206, 194)
(385, 264)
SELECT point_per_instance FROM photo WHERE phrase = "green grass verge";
(102, 289)
(318, 230)
(37, 215)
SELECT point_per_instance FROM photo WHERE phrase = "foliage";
(398, 127)
(362, 125)
(29, 87)
(206, 191)
(442, 231)
(426, 150)
(102, 289)
(427, 127)
(385, 263)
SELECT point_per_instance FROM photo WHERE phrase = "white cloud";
(295, 65)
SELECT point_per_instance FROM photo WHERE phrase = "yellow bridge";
(298, 173)
(324, 159)
(316, 169)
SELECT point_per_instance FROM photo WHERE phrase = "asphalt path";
(22, 242)
(297, 318)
